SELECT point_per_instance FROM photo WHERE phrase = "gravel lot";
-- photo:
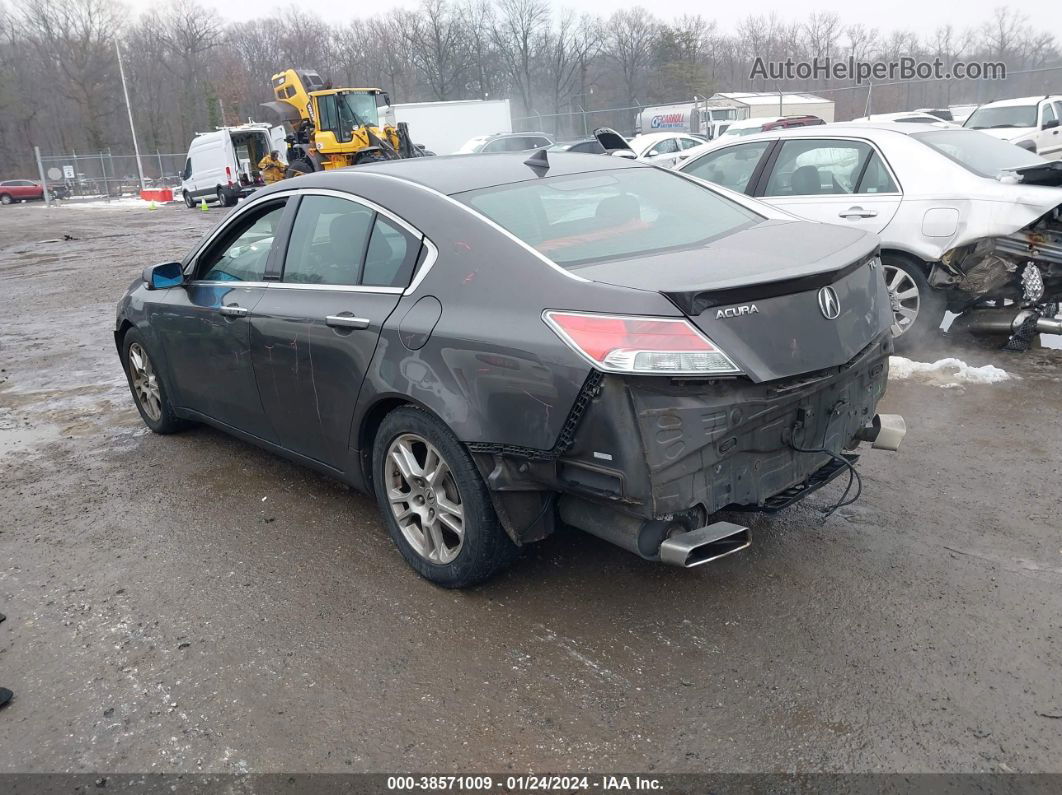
(191, 603)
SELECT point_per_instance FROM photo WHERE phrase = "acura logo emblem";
(828, 303)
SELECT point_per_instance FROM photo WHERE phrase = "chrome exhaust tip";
(1049, 325)
(704, 544)
(885, 432)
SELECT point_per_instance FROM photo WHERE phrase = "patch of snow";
(945, 373)
(129, 202)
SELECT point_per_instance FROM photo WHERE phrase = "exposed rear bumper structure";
(652, 459)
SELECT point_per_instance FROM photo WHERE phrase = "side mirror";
(627, 153)
(166, 274)
(1049, 124)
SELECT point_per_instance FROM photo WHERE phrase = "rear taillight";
(228, 174)
(646, 345)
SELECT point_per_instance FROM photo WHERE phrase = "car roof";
(459, 173)
(660, 136)
(874, 131)
(510, 134)
(1003, 103)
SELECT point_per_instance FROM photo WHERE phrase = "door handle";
(346, 321)
(857, 212)
(234, 310)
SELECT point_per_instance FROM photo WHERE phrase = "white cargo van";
(222, 166)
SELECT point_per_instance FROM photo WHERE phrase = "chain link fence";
(851, 101)
(103, 176)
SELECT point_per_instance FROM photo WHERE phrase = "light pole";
(129, 110)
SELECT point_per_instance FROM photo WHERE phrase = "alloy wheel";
(904, 297)
(424, 498)
(145, 382)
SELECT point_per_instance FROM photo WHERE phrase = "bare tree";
(437, 44)
(628, 42)
(518, 29)
(190, 34)
(75, 42)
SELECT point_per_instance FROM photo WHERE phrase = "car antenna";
(537, 161)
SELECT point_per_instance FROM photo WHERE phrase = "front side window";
(241, 253)
(586, 218)
(732, 167)
(810, 168)
(1049, 112)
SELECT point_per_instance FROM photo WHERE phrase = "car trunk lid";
(812, 304)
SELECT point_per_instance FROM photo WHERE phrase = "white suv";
(1029, 122)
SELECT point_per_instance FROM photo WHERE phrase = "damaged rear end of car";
(752, 394)
(1009, 284)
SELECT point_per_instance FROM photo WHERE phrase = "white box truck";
(442, 127)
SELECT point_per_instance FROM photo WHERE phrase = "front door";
(834, 181)
(314, 333)
(204, 326)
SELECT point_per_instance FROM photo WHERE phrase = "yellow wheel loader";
(343, 124)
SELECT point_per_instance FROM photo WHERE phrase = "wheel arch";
(914, 259)
(120, 332)
(369, 424)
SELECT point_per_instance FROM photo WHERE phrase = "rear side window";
(810, 168)
(391, 255)
(666, 147)
(586, 218)
(339, 242)
(732, 167)
(876, 178)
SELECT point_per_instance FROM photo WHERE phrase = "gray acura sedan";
(495, 344)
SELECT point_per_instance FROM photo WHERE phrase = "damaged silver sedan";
(968, 223)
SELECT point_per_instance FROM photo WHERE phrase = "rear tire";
(917, 308)
(435, 504)
(5, 198)
(225, 198)
(145, 382)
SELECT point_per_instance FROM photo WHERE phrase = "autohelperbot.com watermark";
(851, 68)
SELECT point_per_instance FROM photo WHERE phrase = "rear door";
(315, 332)
(834, 181)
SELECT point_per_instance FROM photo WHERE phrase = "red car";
(15, 190)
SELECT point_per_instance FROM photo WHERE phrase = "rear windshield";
(981, 154)
(584, 218)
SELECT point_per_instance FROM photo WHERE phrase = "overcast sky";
(887, 15)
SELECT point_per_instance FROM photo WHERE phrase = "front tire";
(149, 393)
(917, 308)
(435, 504)
(189, 202)
(5, 198)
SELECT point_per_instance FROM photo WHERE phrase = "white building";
(757, 104)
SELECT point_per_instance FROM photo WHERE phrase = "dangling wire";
(853, 473)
